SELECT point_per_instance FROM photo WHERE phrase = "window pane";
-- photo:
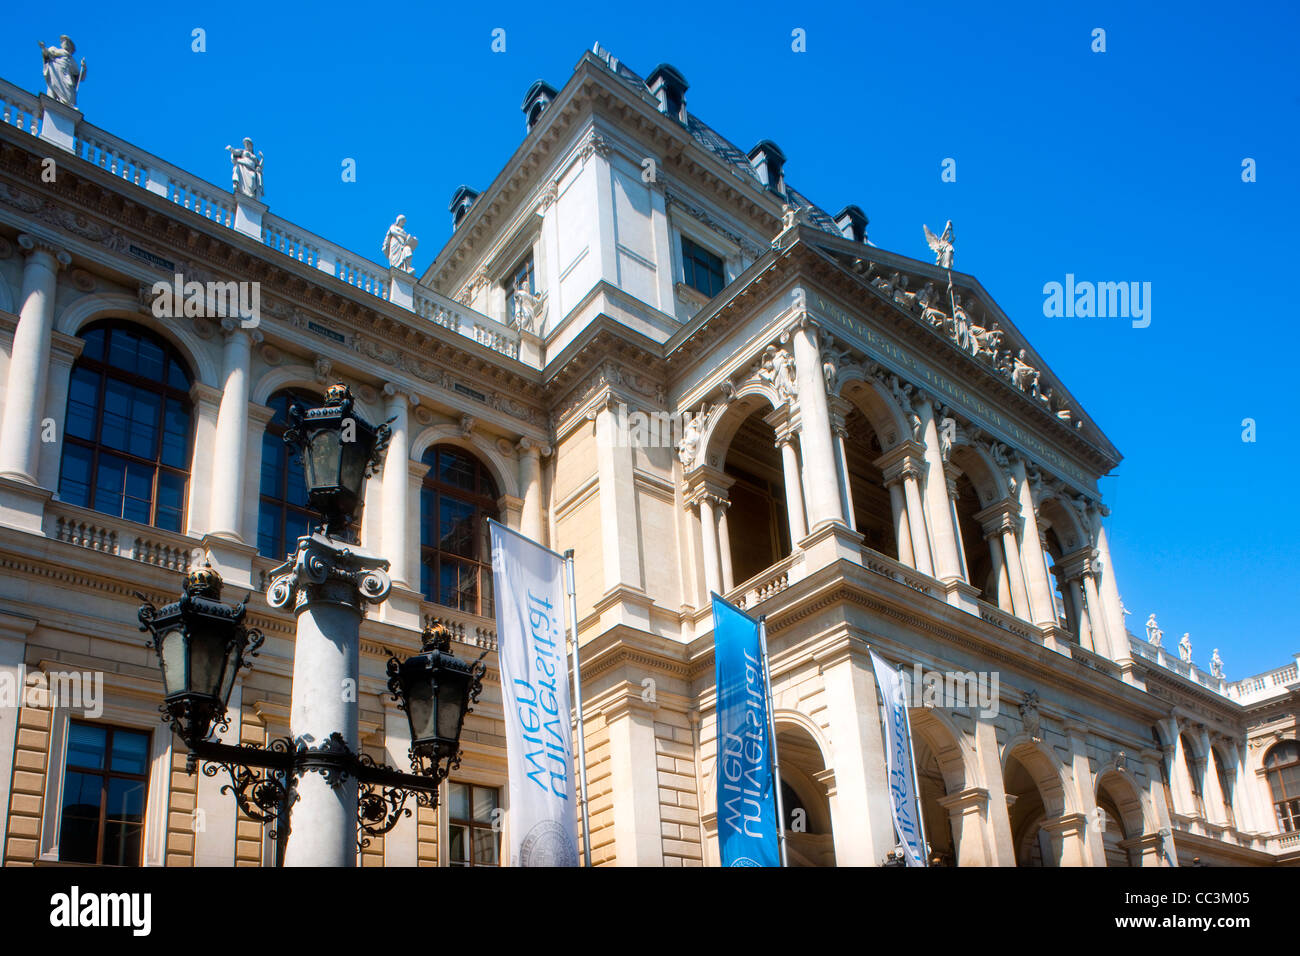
(458, 801)
(456, 469)
(296, 525)
(177, 377)
(139, 492)
(146, 423)
(122, 349)
(456, 527)
(456, 585)
(295, 480)
(176, 435)
(86, 745)
(130, 753)
(485, 847)
(79, 826)
(117, 414)
(94, 340)
(149, 362)
(485, 801)
(74, 475)
(171, 501)
(268, 529)
(458, 851)
(124, 822)
(110, 480)
(83, 402)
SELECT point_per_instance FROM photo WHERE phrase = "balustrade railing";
(108, 535)
(767, 583)
(21, 109)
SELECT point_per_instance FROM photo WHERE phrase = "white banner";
(898, 762)
(529, 583)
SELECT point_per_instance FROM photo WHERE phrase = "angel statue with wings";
(62, 78)
(941, 246)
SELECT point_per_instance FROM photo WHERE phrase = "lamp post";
(317, 773)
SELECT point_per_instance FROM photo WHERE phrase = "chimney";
(669, 87)
(461, 200)
(769, 162)
(853, 223)
(538, 97)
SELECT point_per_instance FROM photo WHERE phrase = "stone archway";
(1045, 829)
(1122, 820)
(805, 786)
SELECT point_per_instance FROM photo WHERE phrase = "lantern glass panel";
(323, 460)
(174, 661)
(420, 700)
(452, 692)
(228, 678)
(352, 469)
(208, 643)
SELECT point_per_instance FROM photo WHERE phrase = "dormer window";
(702, 269)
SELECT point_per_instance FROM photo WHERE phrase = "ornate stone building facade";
(612, 354)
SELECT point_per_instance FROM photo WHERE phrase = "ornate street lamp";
(436, 690)
(339, 450)
(201, 644)
(327, 582)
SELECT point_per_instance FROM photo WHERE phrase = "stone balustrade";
(770, 581)
(22, 111)
(117, 536)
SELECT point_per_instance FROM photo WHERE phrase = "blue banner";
(747, 825)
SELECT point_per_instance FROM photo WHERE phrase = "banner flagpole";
(771, 731)
(916, 782)
(577, 698)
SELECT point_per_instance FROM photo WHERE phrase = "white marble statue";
(941, 246)
(1216, 665)
(1155, 636)
(1185, 648)
(246, 170)
(1023, 375)
(690, 445)
(399, 245)
(62, 77)
(526, 307)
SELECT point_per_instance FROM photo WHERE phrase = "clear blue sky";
(1118, 166)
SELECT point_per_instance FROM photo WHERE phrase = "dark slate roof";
(721, 147)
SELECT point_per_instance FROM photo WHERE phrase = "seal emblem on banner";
(548, 844)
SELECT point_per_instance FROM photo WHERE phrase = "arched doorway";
(872, 512)
(757, 522)
(1035, 799)
(808, 837)
(1120, 818)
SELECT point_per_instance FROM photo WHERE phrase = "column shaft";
(709, 540)
(396, 489)
(231, 447)
(940, 515)
(917, 525)
(793, 491)
(902, 531)
(724, 548)
(821, 475)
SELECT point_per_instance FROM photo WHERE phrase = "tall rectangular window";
(703, 270)
(475, 839)
(104, 790)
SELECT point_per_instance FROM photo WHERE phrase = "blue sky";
(1115, 166)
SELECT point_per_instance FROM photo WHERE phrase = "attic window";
(702, 270)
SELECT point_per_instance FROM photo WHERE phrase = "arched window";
(282, 512)
(126, 451)
(1283, 766)
(455, 555)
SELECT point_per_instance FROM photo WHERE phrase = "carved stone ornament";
(329, 571)
(1029, 716)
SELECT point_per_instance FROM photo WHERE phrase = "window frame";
(104, 370)
(106, 774)
(1286, 810)
(471, 825)
(484, 505)
(686, 259)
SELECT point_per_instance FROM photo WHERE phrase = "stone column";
(1042, 610)
(839, 409)
(1180, 781)
(1215, 810)
(615, 469)
(950, 475)
(1068, 838)
(967, 813)
(999, 522)
(1081, 779)
(64, 352)
(821, 473)
(1109, 592)
(993, 539)
(396, 485)
(709, 539)
(207, 406)
(1002, 850)
(327, 583)
(903, 468)
(230, 451)
(902, 531)
(943, 536)
(1096, 616)
(793, 489)
(724, 548)
(29, 360)
(1083, 631)
(532, 521)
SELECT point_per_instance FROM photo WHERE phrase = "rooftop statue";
(399, 246)
(1216, 665)
(246, 170)
(1155, 636)
(62, 78)
(940, 245)
(1185, 648)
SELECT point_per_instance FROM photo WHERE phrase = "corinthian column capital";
(33, 244)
